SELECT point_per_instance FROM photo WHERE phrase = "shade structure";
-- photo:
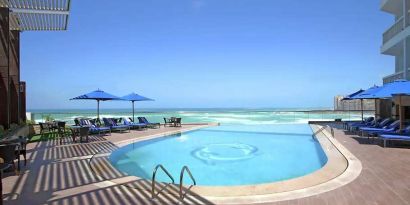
(367, 94)
(349, 97)
(37, 15)
(135, 97)
(393, 88)
(97, 95)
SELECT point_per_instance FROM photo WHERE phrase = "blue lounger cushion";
(133, 124)
(114, 126)
(398, 137)
(119, 126)
(386, 138)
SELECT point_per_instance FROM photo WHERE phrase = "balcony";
(393, 77)
(393, 30)
(392, 6)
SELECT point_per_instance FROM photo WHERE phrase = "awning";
(37, 15)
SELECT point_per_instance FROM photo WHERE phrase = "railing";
(332, 132)
(393, 77)
(181, 179)
(393, 30)
(154, 173)
(268, 116)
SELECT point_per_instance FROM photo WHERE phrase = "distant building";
(352, 105)
(396, 39)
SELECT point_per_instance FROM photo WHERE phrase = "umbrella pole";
(98, 109)
(133, 111)
(401, 115)
(361, 105)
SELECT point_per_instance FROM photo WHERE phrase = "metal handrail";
(332, 132)
(181, 178)
(153, 178)
(318, 131)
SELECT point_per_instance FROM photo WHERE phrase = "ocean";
(244, 116)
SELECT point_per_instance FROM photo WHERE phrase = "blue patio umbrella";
(135, 97)
(98, 95)
(393, 88)
(366, 95)
(349, 97)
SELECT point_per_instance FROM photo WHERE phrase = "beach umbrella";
(349, 97)
(394, 88)
(367, 94)
(135, 97)
(97, 95)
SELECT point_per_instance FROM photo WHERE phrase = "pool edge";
(277, 191)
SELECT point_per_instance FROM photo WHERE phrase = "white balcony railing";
(393, 77)
(393, 30)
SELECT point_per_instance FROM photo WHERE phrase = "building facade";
(396, 39)
(15, 17)
(352, 105)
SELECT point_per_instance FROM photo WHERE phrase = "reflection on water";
(226, 152)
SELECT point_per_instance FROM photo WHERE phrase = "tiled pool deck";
(60, 174)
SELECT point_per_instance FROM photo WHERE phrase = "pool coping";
(341, 168)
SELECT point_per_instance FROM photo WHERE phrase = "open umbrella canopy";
(349, 97)
(393, 88)
(367, 94)
(135, 97)
(96, 95)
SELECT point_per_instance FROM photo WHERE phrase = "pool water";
(227, 155)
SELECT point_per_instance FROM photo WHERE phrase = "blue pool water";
(227, 155)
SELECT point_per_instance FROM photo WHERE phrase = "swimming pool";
(227, 155)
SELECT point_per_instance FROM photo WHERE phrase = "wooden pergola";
(17, 16)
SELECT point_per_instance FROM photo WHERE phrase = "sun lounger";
(133, 124)
(378, 124)
(108, 122)
(94, 128)
(143, 120)
(356, 126)
(388, 128)
(348, 125)
(387, 138)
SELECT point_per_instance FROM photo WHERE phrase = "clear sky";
(208, 53)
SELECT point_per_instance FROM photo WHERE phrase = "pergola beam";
(62, 5)
(34, 11)
(36, 15)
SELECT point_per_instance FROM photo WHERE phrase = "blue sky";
(208, 53)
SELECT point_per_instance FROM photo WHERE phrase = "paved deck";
(60, 174)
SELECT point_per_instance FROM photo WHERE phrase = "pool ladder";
(181, 179)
